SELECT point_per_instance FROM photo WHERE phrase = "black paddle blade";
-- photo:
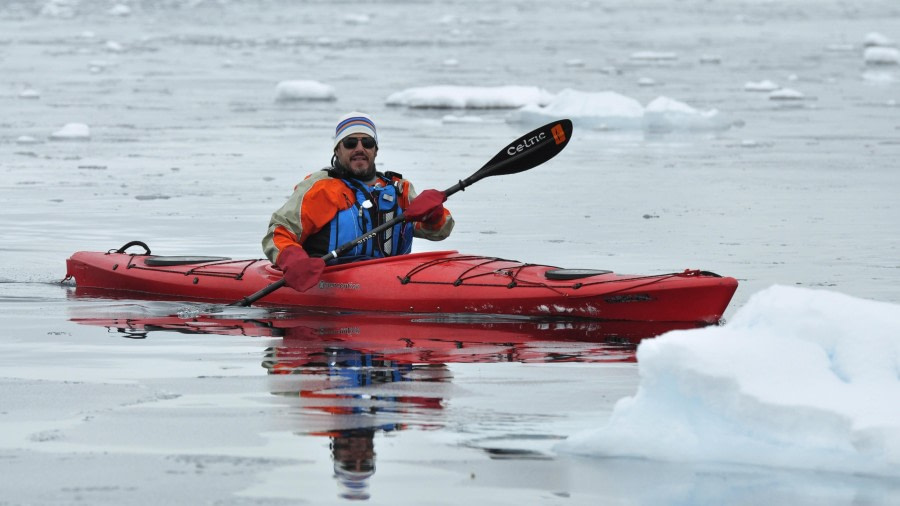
(530, 150)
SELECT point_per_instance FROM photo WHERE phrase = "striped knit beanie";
(354, 123)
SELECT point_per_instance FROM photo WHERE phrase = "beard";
(365, 174)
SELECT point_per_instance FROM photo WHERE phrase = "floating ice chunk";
(121, 10)
(59, 8)
(575, 62)
(470, 97)
(786, 94)
(877, 55)
(357, 19)
(97, 66)
(288, 91)
(114, 47)
(800, 378)
(653, 56)
(450, 118)
(605, 109)
(877, 39)
(451, 62)
(27, 139)
(72, 132)
(763, 86)
(30, 93)
(665, 114)
(608, 110)
(879, 77)
(646, 81)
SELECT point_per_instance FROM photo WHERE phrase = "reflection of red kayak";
(413, 339)
(434, 282)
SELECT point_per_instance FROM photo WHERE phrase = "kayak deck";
(430, 282)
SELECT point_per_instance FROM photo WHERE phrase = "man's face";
(358, 159)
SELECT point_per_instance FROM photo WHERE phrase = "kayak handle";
(130, 244)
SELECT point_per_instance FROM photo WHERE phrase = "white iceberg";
(800, 378)
(357, 19)
(664, 114)
(60, 8)
(289, 91)
(72, 132)
(120, 10)
(879, 77)
(470, 97)
(877, 39)
(604, 109)
(654, 56)
(786, 94)
(114, 47)
(608, 110)
(30, 93)
(877, 55)
(27, 139)
(764, 86)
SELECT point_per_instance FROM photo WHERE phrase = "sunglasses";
(351, 142)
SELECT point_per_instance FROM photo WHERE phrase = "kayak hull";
(431, 282)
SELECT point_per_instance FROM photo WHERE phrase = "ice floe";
(357, 19)
(604, 109)
(762, 86)
(664, 114)
(30, 93)
(876, 55)
(877, 39)
(786, 94)
(799, 378)
(608, 110)
(26, 140)
(469, 97)
(60, 8)
(72, 132)
(288, 91)
(120, 10)
(653, 56)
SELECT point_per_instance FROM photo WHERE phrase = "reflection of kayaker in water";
(353, 453)
(358, 414)
(338, 204)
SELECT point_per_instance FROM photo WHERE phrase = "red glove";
(300, 271)
(426, 206)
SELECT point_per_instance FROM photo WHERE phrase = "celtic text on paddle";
(527, 143)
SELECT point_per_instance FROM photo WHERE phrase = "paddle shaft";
(520, 152)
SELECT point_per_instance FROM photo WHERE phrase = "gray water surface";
(190, 152)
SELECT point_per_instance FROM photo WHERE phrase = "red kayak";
(433, 282)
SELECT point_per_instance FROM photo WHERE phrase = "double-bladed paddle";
(526, 152)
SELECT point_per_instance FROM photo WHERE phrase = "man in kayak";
(337, 204)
